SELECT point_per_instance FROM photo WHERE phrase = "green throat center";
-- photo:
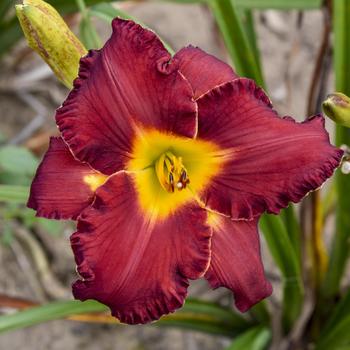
(171, 172)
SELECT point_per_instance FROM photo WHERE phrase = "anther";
(171, 172)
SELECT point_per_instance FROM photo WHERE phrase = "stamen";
(171, 172)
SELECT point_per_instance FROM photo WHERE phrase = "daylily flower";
(167, 164)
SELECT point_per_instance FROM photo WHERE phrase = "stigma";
(171, 172)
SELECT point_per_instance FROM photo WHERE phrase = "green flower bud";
(337, 107)
(48, 35)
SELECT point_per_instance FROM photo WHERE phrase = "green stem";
(319, 251)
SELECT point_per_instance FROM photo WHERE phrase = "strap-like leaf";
(283, 252)
(341, 243)
(236, 39)
(256, 338)
(196, 315)
(280, 4)
(279, 242)
(14, 194)
(338, 338)
(107, 12)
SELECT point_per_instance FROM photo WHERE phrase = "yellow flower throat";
(171, 172)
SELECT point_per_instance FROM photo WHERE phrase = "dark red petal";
(130, 83)
(203, 71)
(134, 262)
(58, 190)
(236, 261)
(271, 160)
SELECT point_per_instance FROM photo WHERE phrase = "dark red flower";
(168, 163)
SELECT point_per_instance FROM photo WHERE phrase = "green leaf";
(340, 312)
(341, 243)
(266, 4)
(88, 34)
(195, 315)
(48, 312)
(69, 6)
(6, 235)
(293, 229)
(206, 317)
(8, 178)
(260, 313)
(107, 12)
(10, 33)
(17, 160)
(282, 251)
(2, 137)
(256, 338)
(280, 4)
(247, 21)
(14, 194)
(27, 216)
(186, 1)
(236, 40)
(52, 227)
(336, 333)
(87, 31)
(5, 5)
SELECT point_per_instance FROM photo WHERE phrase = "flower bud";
(337, 107)
(51, 38)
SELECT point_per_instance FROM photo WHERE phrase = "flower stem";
(320, 257)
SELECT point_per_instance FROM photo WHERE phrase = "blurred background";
(36, 262)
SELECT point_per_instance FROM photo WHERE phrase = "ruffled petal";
(270, 161)
(130, 83)
(236, 261)
(203, 71)
(62, 186)
(134, 262)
